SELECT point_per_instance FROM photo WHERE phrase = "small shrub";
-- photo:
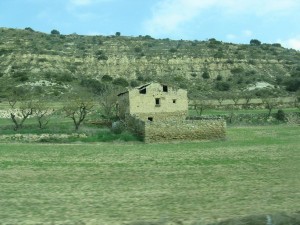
(229, 61)
(205, 75)
(223, 86)
(117, 127)
(29, 29)
(173, 50)
(255, 42)
(237, 70)
(219, 78)
(55, 32)
(280, 115)
(121, 82)
(106, 78)
(102, 57)
(138, 49)
(96, 86)
(134, 83)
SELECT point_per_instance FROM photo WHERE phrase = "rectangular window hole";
(174, 101)
(165, 88)
(150, 118)
(157, 101)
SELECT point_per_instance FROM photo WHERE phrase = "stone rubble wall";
(177, 115)
(185, 130)
(177, 130)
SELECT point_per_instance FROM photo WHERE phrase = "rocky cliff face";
(29, 56)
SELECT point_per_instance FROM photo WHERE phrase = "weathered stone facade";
(154, 102)
(158, 113)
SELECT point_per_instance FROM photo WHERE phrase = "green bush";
(222, 86)
(66, 77)
(118, 127)
(255, 42)
(20, 76)
(237, 70)
(173, 50)
(96, 86)
(121, 82)
(55, 32)
(138, 49)
(280, 115)
(219, 77)
(205, 75)
(134, 83)
(293, 84)
(106, 78)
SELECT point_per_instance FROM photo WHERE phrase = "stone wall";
(179, 115)
(185, 130)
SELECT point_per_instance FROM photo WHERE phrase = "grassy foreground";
(255, 171)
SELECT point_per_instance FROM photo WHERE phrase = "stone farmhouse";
(154, 102)
(158, 112)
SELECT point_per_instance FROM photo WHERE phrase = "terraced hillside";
(59, 63)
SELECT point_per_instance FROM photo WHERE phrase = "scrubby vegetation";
(61, 63)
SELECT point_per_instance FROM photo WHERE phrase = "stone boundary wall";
(185, 130)
(177, 130)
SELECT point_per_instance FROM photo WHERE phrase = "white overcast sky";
(237, 21)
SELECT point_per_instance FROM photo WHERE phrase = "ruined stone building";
(154, 102)
(158, 113)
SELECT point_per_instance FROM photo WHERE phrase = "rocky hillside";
(60, 63)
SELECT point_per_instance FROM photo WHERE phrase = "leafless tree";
(235, 96)
(77, 109)
(247, 95)
(108, 102)
(202, 105)
(20, 114)
(21, 106)
(269, 103)
(42, 113)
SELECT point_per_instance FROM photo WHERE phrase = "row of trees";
(76, 107)
(268, 99)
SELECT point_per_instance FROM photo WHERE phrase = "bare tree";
(21, 106)
(77, 109)
(247, 95)
(108, 103)
(270, 104)
(235, 96)
(202, 105)
(19, 115)
(42, 113)
(220, 96)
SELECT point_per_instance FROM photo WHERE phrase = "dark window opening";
(174, 101)
(150, 118)
(157, 101)
(143, 91)
(165, 88)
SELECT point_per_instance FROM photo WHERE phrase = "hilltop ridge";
(62, 63)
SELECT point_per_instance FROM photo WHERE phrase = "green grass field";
(255, 171)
